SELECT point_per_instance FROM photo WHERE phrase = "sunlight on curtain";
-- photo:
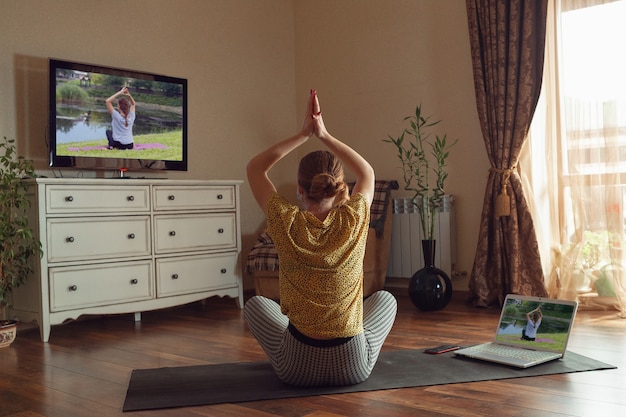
(575, 163)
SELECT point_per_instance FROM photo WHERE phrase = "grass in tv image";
(82, 118)
(551, 328)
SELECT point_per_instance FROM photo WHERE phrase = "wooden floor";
(85, 368)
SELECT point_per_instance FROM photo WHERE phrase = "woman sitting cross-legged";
(323, 332)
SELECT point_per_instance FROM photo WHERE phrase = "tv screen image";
(81, 124)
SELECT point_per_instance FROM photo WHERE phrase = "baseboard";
(392, 282)
(401, 285)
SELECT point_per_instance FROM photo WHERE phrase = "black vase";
(430, 288)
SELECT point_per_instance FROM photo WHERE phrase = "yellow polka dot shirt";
(321, 265)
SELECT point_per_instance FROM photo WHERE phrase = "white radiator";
(406, 255)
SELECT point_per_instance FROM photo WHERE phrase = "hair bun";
(320, 173)
(322, 186)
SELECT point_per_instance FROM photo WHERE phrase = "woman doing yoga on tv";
(121, 134)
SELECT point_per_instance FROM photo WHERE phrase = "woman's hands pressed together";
(314, 114)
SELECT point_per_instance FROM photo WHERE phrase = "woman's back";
(321, 273)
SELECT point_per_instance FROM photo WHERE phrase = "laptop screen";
(536, 323)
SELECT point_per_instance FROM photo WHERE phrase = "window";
(575, 163)
(594, 88)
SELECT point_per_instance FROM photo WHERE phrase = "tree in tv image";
(552, 329)
(82, 118)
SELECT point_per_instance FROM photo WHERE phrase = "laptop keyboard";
(511, 352)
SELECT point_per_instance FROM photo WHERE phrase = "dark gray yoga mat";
(151, 389)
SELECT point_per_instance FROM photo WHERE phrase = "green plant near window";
(422, 156)
(17, 240)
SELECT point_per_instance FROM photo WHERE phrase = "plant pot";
(430, 288)
(8, 331)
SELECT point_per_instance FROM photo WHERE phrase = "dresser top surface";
(132, 181)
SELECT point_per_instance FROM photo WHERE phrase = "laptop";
(531, 330)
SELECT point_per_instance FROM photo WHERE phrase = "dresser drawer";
(191, 198)
(89, 238)
(102, 199)
(178, 233)
(189, 274)
(94, 285)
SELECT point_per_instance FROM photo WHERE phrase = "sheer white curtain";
(574, 166)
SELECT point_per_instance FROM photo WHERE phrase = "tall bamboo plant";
(416, 155)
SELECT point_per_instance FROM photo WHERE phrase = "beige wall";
(250, 64)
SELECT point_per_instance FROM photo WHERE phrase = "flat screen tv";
(80, 123)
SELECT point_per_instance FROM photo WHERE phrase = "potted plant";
(17, 240)
(423, 161)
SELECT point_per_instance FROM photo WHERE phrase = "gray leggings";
(297, 363)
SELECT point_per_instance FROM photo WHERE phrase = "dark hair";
(320, 174)
(124, 107)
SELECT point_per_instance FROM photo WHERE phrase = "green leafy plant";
(17, 240)
(416, 166)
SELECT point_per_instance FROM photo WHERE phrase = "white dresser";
(115, 246)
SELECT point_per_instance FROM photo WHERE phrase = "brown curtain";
(507, 40)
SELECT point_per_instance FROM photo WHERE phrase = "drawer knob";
(134, 281)
(131, 198)
(174, 276)
(131, 235)
(223, 270)
(220, 230)
(173, 233)
(220, 196)
(69, 198)
(69, 239)
(171, 197)
(73, 288)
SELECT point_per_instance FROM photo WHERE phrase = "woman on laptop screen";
(533, 321)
